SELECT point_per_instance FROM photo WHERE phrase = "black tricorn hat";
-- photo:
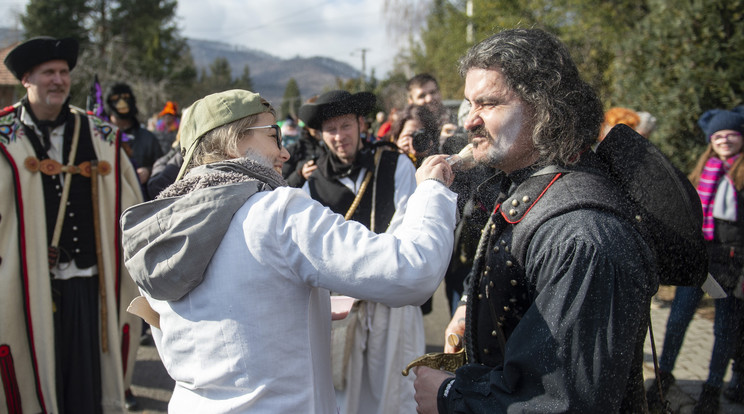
(336, 103)
(38, 50)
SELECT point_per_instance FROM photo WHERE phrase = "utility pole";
(469, 35)
(363, 51)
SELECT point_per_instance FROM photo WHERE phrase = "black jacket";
(573, 313)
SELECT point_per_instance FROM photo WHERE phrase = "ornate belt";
(54, 167)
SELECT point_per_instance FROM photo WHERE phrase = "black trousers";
(76, 341)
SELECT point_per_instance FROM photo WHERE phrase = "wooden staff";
(99, 254)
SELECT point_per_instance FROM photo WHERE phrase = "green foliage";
(59, 18)
(680, 61)
(442, 43)
(219, 78)
(672, 59)
(245, 81)
(291, 100)
(589, 28)
(149, 25)
(136, 41)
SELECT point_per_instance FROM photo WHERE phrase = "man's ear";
(24, 79)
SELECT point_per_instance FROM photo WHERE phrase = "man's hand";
(427, 385)
(404, 143)
(143, 174)
(437, 168)
(456, 326)
(308, 168)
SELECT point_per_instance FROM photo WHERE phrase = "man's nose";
(472, 120)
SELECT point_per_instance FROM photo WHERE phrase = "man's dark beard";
(493, 158)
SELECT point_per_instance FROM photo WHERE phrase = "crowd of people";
(237, 233)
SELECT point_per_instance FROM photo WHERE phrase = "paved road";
(153, 386)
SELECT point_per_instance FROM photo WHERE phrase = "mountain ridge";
(269, 73)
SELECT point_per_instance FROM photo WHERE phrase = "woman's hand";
(435, 167)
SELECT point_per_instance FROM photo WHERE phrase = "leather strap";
(99, 254)
(362, 190)
(66, 188)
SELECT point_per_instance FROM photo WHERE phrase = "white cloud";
(286, 28)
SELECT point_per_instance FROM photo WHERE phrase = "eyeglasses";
(730, 135)
(277, 130)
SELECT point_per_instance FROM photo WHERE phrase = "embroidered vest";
(77, 240)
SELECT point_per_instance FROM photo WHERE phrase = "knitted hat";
(336, 103)
(214, 111)
(715, 120)
(171, 108)
(38, 50)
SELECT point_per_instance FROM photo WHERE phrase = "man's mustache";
(479, 131)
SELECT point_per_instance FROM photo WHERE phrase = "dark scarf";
(331, 167)
(237, 170)
(46, 126)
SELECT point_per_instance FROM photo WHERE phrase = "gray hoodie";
(169, 242)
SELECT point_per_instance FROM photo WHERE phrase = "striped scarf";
(711, 175)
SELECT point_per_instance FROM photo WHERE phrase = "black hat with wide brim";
(38, 50)
(336, 103)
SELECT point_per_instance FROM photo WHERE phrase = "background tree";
(136, 41)
(62, 17)
(590, 28)
(245, 81)
(673, 59)
(442, 43)
(291, 100)
(681, 60)
(220, 76)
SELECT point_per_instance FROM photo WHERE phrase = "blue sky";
(285, 28)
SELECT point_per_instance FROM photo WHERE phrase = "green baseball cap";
(214, 111)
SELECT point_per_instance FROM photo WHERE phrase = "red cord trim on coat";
(24, 273)
(557, 176)
(117, 234)
(125, 347)
(10, 382)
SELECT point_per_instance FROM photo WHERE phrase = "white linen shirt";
(254, 336)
